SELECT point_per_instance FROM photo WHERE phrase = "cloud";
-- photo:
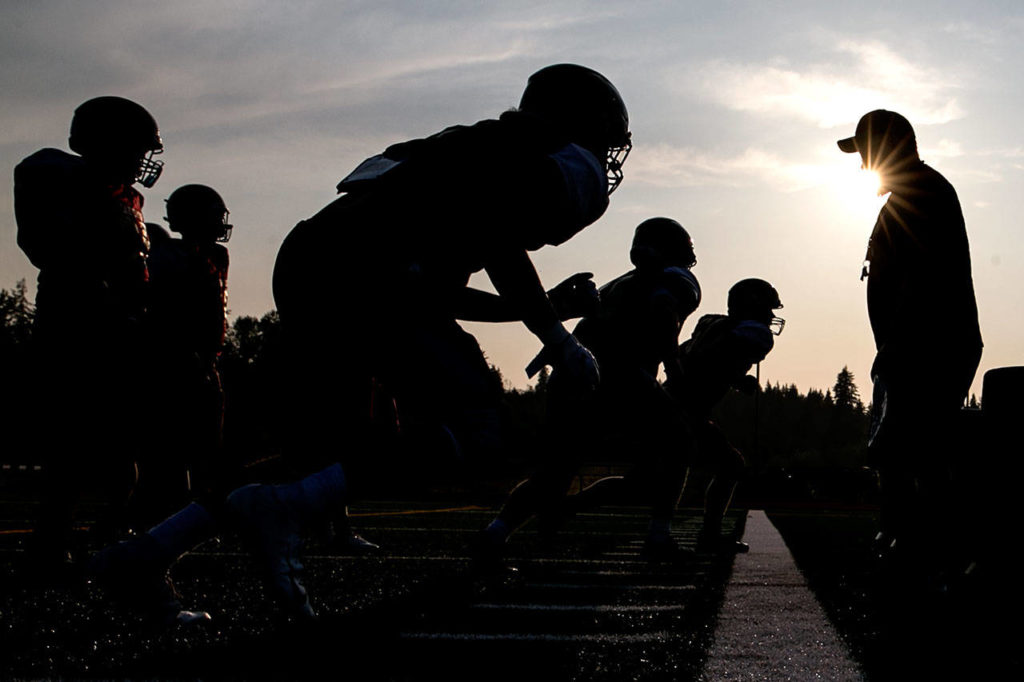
(977, 176)
(1006, 153)
(670, 166)
(857, 78)
(973, 32)
(256, 63)
(946, 149)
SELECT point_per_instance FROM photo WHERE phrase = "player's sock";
(317, 495)
(182, 531)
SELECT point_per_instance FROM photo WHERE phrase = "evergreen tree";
(16, 402)
(16, 315)
(845, 392)
(542, 380)
(498, 379)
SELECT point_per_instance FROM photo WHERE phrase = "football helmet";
(755, 299)
(586, 107)
(197, 211)
(121, 134)
(662, 242)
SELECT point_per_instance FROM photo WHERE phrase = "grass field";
(585, 607)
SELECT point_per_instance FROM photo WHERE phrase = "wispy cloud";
(669, 166)
(947, 149)
(860, 76)
(976, 33)
(1006, 153)
(979, 176)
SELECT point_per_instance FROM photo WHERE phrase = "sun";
(867, 183)
(857, 190)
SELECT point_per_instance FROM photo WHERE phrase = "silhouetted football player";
(715, 359)
(634, 330)
(188, 324)
(80, 222)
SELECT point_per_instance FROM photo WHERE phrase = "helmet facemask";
(763, 316)
(224, 231)
(217, 230)
(613, 162)
(149, 169)
(207, 231)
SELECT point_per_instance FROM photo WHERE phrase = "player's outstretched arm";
(516, 280)
(576, 296)
(475, 305)
(513, 275)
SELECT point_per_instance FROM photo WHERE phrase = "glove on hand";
(575, 297)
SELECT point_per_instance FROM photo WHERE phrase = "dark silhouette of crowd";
(130, 323)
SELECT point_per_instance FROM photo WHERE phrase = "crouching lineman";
(715, 359)
(412, 225)
(635, 330)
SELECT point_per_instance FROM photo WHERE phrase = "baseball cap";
(881, 125)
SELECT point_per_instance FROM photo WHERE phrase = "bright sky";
(735, 109)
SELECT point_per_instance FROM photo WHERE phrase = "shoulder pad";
(703, 329)
(706, 321)
(756, 337)
(682, 285)
(50, 165)
(586, 190)
(368, 171)
(610, 286)
(453, 141)
(439, 149)
(158, 234)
